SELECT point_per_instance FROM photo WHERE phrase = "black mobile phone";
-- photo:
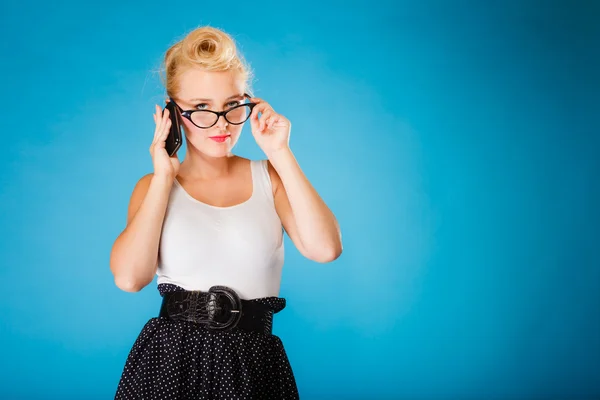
(174, 139)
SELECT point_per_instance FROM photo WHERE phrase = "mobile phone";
(174, 139)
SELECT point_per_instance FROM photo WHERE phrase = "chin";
(216, 153)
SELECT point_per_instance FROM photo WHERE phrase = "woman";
(211, 228)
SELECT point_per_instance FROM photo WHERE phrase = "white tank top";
(240, 246)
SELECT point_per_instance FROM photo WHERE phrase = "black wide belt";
(220, 308)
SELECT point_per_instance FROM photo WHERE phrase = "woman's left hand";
(271, 130)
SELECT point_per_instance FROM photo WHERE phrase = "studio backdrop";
(456, 142)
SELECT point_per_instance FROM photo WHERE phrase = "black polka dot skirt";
(183, 360)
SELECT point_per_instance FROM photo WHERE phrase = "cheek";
(235, 129)
(189, 127)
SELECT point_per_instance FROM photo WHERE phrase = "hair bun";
(207, 48)
(210, 49)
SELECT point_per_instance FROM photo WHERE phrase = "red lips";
(219, 139)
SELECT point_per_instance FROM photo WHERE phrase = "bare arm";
(306, 218)
(134, 255)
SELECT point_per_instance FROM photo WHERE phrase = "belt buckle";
(235, 312)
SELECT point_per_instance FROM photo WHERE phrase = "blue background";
(457, 143)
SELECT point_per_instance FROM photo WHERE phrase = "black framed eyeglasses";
(205, 119)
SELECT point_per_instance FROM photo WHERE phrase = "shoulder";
(264, 165)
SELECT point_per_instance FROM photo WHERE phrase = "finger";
(273, 120)
(254, 115)
(265, 119)
(160, 142)
(165, 114)
(162, 138)
(155, 115)
(165, 132)
(259, 102)
(254, 109)
(160, 118)
(164, 120)
(261, 121)
(156, 122)
(254, 121)
(263, 107)
(155, 136)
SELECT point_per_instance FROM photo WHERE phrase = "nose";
(221, 122)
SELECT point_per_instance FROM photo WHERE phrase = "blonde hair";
(206, 48)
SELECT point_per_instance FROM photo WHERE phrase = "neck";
(198, 166)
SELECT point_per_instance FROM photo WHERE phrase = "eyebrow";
(235, 96)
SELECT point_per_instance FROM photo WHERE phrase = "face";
(215, 91)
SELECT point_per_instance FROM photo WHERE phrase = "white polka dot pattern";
(183, 360)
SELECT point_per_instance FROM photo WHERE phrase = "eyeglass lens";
(234, 116)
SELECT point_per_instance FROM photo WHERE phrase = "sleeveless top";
(239, 246)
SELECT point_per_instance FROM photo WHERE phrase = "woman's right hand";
(163, 164)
